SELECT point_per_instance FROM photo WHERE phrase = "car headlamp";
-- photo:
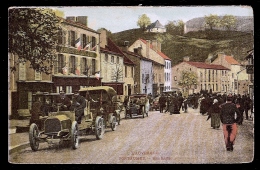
(138, 106)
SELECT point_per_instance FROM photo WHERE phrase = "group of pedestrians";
(173, 103)
(225, 109)
(228, 110)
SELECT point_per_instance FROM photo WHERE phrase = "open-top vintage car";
(137, 105)
(61, 126)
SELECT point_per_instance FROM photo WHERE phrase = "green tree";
(33, 36)
(175, 27)
(188, 79)
(212, 21)
(117, 74)
(59, 13)
(143, 21)
(228, 21)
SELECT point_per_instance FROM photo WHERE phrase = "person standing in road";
(78, 103)
(162, 101)
(213, 113)
(247, 102)
(227, 116)
(185, 104)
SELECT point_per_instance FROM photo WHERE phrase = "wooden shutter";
(69, 38)
(64, 37)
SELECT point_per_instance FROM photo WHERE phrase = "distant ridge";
(244, 24)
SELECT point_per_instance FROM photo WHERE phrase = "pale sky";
(120, 18)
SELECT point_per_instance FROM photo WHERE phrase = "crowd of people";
(228, 109)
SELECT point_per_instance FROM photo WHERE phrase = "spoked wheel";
(118, 119)
(33, 137)
(99, 127)
(113, 124)
(74, 135)
(143, 111)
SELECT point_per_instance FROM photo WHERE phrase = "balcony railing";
(62, 49)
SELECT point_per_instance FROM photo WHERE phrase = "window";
(68, 89)
(209, 76)
(147, 80)
(72, 63)
(84, 40)
(205, 76)
(213, 87)
(201, 86)
(117, 60)
(37, 75)
(112, 59)
(58, 89)
(106, 57)
(232, 75)
(142, 78)
(212, 75)
(222, 73)
(125, 71)
(216, 87)
(22, 71)
(83, 65)
(222, 87)
(59, 64)
(190, 69)
(93, 66)
(93, 40)
(72, 38)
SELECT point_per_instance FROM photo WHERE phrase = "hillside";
(243, 24)
(196, 44)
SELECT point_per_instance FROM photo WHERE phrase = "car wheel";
(74, 135)
(99, 128)
(143, 111)
(113, 124)
(33, 137)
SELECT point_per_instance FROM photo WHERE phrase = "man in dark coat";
(229, 116)
(64, 100)
(78, 103)
(162, 102)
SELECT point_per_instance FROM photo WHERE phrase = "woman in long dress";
(214, 114)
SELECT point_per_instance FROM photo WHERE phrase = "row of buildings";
(86, 57)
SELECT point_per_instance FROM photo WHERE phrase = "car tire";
(99, 128)
(33, 136)
(74, 135)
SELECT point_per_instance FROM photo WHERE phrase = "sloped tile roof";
(113, 47)
(158, 52)
(156, 24)
(206, 66)
(231, 60)
(141, 57)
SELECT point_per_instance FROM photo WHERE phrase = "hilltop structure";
(156, 27)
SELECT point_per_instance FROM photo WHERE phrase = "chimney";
(125, 46)
(208, 60)
(83, 20)
(154, 45)
(186, 58)
(103, 38)
(221, 55)
(71, 18)
(147, 48)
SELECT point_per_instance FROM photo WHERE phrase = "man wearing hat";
(229, 121)
(64, 100)
(78, 103)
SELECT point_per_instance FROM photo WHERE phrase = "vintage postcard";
(131, 85)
